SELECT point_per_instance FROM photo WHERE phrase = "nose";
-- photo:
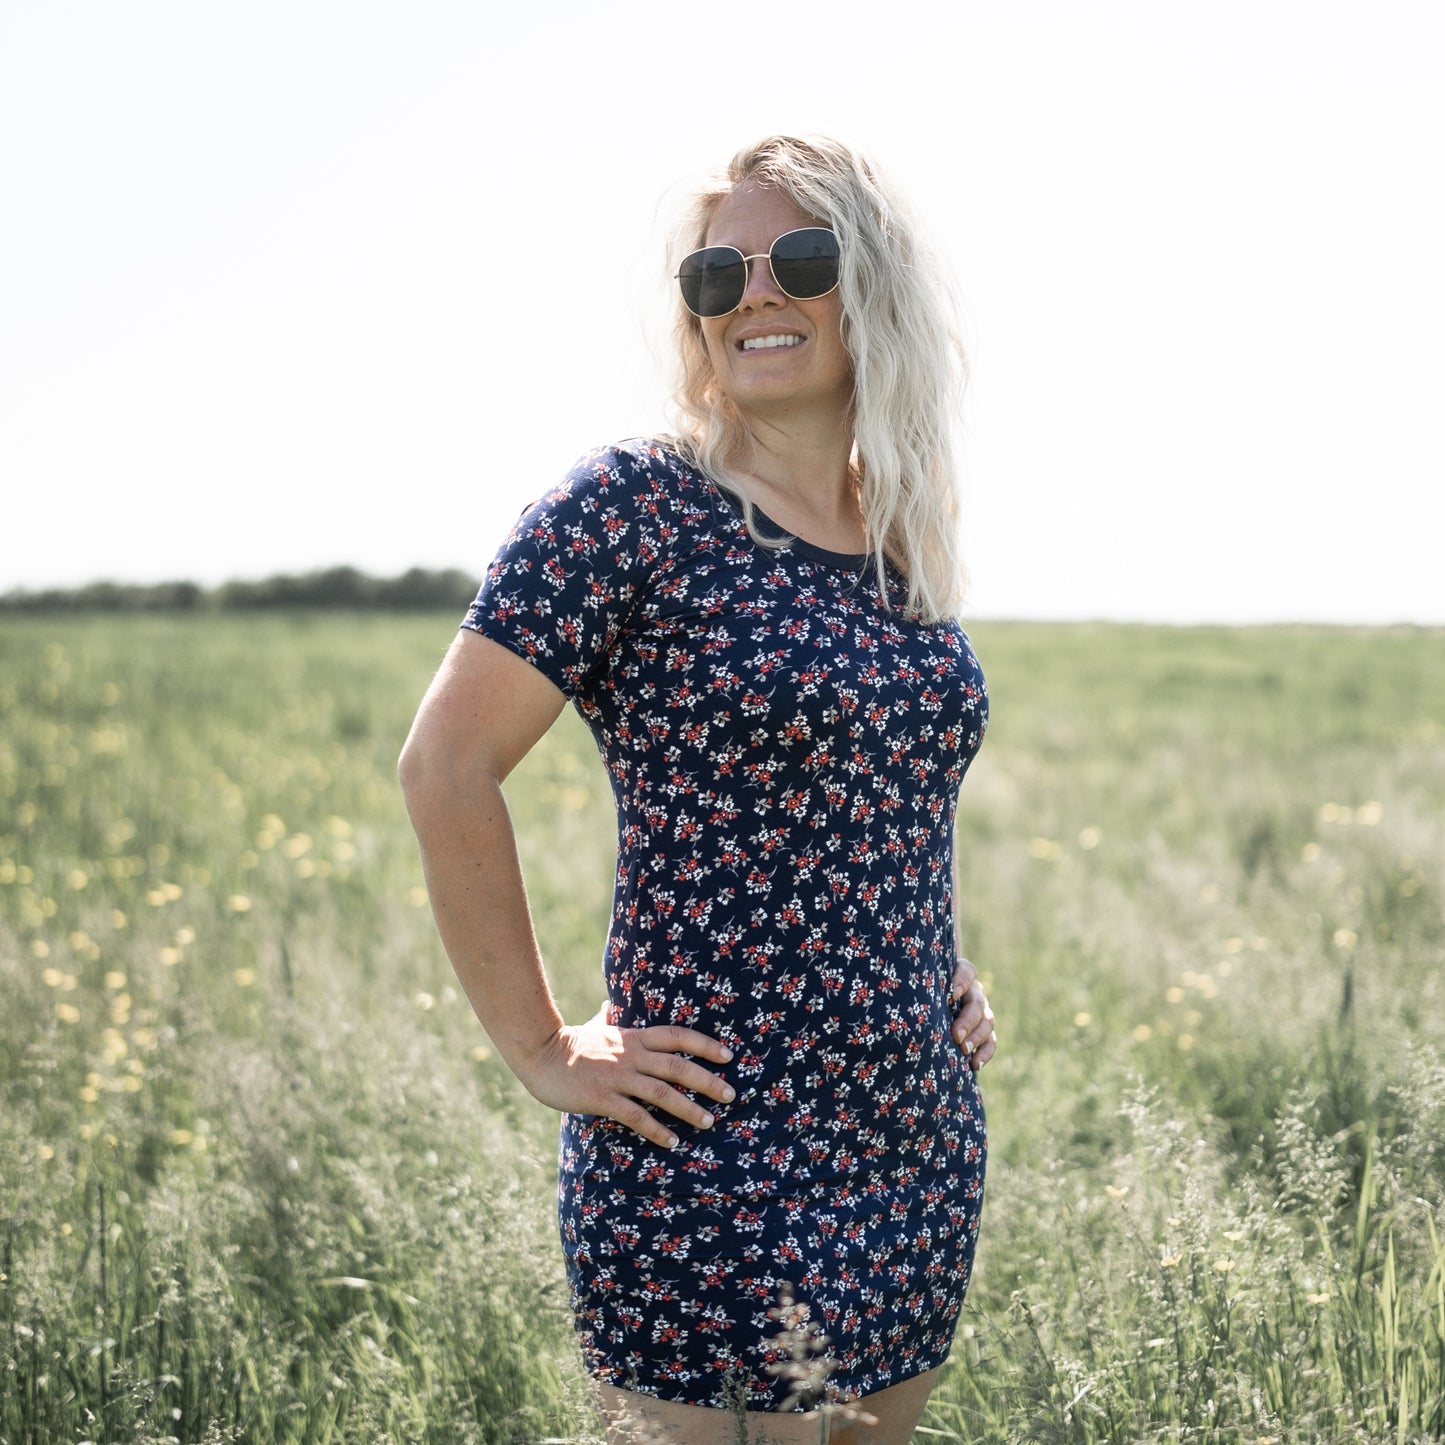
(761, 289)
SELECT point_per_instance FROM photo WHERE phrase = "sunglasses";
(804, 263)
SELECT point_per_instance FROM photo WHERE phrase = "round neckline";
(847, 561)
(790, 541)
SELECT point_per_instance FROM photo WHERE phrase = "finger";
(684, 1073)
(965, 975)
(973, 1025)
(970, 1011)
(634, 1098)
(660, 1095)
(627, 1102)
(984, 1052)
(673, 1039)
(640, 1121)
(672, 1053)
(979, 1042)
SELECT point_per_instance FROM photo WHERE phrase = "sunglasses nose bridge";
(753, 275)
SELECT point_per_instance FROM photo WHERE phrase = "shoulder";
(624, 509)
(655, 467)
(641, 488)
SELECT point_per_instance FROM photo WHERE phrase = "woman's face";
(775, 358)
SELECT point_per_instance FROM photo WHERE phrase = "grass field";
(262, 1179)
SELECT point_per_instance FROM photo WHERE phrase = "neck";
(803, 479)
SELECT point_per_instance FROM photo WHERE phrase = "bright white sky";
(293, 283)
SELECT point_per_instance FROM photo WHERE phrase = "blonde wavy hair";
(900, 330)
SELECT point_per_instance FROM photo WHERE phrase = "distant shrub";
(108, 597)
(419, 589)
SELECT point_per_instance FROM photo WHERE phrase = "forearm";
(479, 900)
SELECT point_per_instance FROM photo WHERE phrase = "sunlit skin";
(793, 401)
(806, 386)
(885, 1418)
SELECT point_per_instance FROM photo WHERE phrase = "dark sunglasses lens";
(713, 280)
(805, 263)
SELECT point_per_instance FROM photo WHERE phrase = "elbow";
(436, 784)
(411, 772)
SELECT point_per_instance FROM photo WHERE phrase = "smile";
(767, 343)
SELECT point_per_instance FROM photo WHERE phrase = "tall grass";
(263, 1180)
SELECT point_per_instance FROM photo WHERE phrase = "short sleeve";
(561, 589)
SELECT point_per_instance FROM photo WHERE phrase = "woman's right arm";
(485, 710)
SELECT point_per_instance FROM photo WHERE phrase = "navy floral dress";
(785, 752)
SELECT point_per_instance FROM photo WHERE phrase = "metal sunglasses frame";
(745, 263)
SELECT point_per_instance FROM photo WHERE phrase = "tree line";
(417, 590)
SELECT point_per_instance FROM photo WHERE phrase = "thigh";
(887, 1417)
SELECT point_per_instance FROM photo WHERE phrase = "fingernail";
(727, 1055)
(707, 1121)
(729, 1094)
(672, 1141)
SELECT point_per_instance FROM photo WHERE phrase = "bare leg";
(634, 1419)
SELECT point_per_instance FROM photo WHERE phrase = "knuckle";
(637, 1119)
(663, 1038)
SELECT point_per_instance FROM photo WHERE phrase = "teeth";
(766, 343)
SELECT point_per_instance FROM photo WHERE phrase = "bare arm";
(485, 710)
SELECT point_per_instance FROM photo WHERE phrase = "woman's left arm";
(972, 1017)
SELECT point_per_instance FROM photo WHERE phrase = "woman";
(778, 1101)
